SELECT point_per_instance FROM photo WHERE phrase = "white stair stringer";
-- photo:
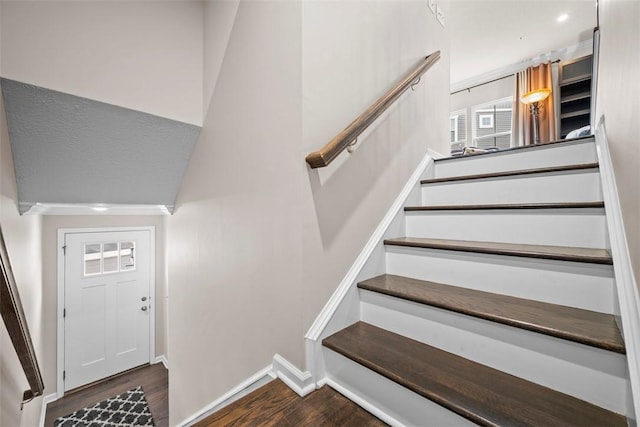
(384, 398)
(585, 228)
(566, 153)
(567, 186)
(627, 290)
(588, 373)
(573, 284)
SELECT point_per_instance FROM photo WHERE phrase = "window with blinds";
(492, 124)
(458, 130)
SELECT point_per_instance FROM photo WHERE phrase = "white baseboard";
(252, 383)
(162, 359)
(626, 285)
(300, 382)
(45, 401)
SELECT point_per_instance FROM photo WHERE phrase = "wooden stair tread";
(512, 173)
(561, 253)
(481, 394)
(574, 324)
(518, 149)
(509, 206)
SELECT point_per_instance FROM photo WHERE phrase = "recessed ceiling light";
(563, 17)
(99, 208)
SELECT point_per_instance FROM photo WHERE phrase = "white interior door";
(107, 321)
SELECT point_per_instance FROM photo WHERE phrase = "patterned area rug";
(127, 409)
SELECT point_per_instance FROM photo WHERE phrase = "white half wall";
(617, 100)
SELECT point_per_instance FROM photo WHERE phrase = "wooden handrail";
(340, 142)
(16, 324)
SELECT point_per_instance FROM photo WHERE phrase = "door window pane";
(92, 259)
(110, 257)
(127, 256)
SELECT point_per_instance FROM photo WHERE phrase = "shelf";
(575, 88)
(575, 114)
(576, 79)
(576, 97)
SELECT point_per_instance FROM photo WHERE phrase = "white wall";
(219, 17)
(259, 241)
(618, 94)
(31, 242)
(22, 238)
(352, 52)
(142, 55)
(234, 240)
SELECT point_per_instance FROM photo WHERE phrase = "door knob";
(143, 308)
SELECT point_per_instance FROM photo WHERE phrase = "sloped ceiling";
(72, 150)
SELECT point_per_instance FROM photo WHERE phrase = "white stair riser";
(554, 155)
(405, 407)
(595, 375)
(581, 285)
(579, 228)
(576, 186)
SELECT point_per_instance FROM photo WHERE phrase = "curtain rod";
(491, 81)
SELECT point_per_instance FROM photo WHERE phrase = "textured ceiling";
(487, 35)
(68, 149)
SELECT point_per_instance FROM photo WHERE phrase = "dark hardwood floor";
(275, 404)
(152, 378)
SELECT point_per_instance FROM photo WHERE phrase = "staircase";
(498, 306)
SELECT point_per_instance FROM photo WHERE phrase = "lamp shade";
(535, 96)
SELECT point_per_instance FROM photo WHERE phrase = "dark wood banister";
(16, 324)
(340, 142)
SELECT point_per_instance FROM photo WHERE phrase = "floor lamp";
(533, 99)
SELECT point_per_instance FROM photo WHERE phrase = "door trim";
(61, 278)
